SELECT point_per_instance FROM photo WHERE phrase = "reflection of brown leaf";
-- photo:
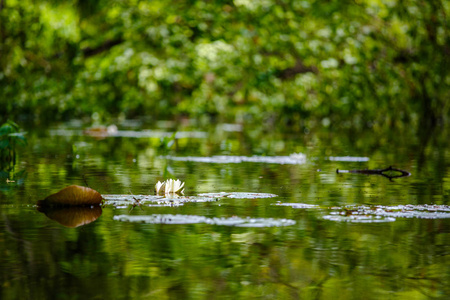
(101, 132)
(73, 216)
(73, 195)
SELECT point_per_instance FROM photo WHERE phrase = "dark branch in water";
(381, 172)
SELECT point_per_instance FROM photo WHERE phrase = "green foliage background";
(358, 63)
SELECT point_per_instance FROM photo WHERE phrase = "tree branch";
(298, 68)
(88, 52)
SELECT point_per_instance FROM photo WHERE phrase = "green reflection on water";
(313, 259)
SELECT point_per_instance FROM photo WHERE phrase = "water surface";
(125, 250)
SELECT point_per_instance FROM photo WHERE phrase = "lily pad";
(297, 205)
(238, 195)
(413, 211)
(171, 199)
(73, 195)
(359, 218)
(251, 195)
(293, 159)
(151, 200)
(380, 213)
(214, 195)
(192, 219)
(349, 158)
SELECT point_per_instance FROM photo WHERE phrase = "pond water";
(264, 215)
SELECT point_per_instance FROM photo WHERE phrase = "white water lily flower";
(178, 186)
(169, 186)
(159, 187)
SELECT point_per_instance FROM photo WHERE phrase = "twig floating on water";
(381, 172)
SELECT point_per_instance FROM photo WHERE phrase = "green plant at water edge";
(166, 143)
(10, 137)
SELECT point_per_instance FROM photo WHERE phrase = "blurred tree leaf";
(350, 64)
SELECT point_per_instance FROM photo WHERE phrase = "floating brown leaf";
(72, 216)
(73, 195)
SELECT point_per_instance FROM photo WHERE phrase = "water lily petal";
(178, 186)
(159, 187)
(169, 186)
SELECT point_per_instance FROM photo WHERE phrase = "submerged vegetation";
(10, 137)
(347, 63)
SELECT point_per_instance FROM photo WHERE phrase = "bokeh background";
(376, 64)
